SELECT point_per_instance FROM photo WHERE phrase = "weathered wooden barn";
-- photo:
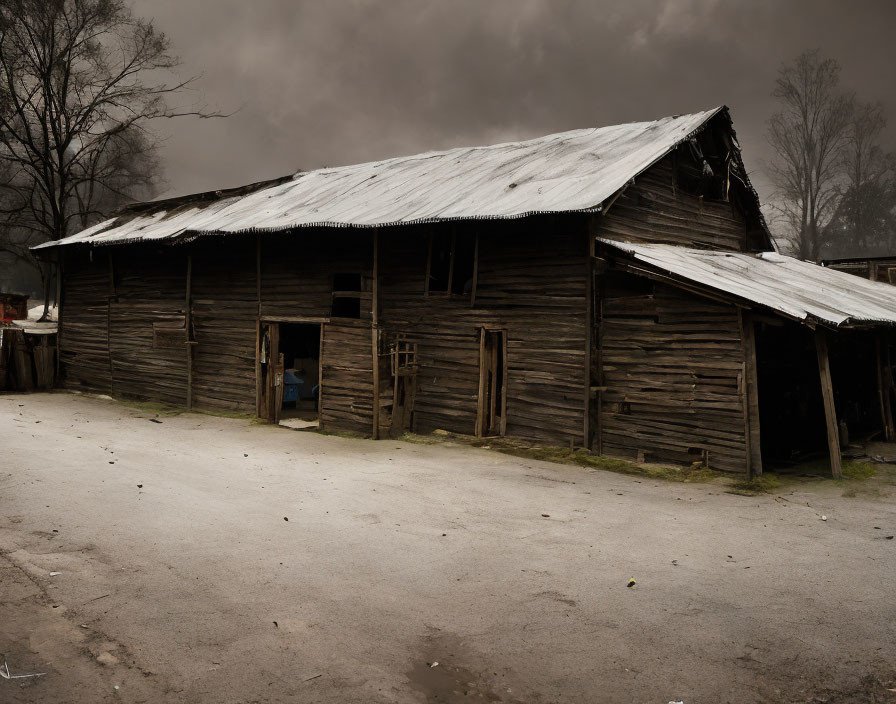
(611, 288)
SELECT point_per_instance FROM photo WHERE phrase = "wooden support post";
(188, 327)
(258, 342)
(750, 390)
(883, 392)
(59, 274)
(480, 404)
(109, 299)
(374, 337)
(320, 377)
(827, 393)
(599, 370)
(589, 330)
(503, 429)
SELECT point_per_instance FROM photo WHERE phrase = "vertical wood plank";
(60, 272)
(883, 391)
(188, 326)
(273, 367)
(503, 429)
(483, 372)
(827, 393)
(597, 441)
(320, 376)
(109, 299)
(374, 336)
(751, 395)
(258, 331)
(589, 322)
(493, 381)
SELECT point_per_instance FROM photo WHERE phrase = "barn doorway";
(792, 419)
(289, 373)
(491, 416)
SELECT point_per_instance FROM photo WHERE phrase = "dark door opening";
(289, 361)
(791, 408)
(491, 414)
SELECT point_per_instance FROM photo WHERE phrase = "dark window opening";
(701, 168)
(347, 282)
(452, 263)
(346, 307)
(440, 262)
(462, 271)
(346, 295)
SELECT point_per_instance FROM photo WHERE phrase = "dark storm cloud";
(342, 81)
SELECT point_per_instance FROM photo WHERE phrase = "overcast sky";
(329, 82)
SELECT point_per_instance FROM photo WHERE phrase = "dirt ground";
(191, 558)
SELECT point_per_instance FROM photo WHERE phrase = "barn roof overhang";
(801, 291)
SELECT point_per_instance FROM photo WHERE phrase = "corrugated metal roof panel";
(799, 289)
(566, 172)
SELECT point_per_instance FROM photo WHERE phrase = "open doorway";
(289, 373)
(491, 418)
(791, 406)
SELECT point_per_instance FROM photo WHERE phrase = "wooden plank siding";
(346, 377)
(531, 282)
(84, 339)
(672, 363)
(149, 290)
(654, 209)
(150, 286)
(224, 315)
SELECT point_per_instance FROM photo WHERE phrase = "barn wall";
(654, 209)
(149, 289)
(83, 333)
(225, 308)
(531, 282)
(297, 281)
(673, 365)
(297, 271)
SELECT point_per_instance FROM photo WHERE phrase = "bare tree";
(809, 135)
(865, 211)
(80, 82)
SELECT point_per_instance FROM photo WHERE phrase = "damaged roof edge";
(566, 164)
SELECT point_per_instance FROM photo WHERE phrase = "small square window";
(346, 295)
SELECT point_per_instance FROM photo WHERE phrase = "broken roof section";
(794, 288)
(573, 171)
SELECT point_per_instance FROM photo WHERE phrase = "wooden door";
(404, 385)
(491, 417)
(271, 364)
